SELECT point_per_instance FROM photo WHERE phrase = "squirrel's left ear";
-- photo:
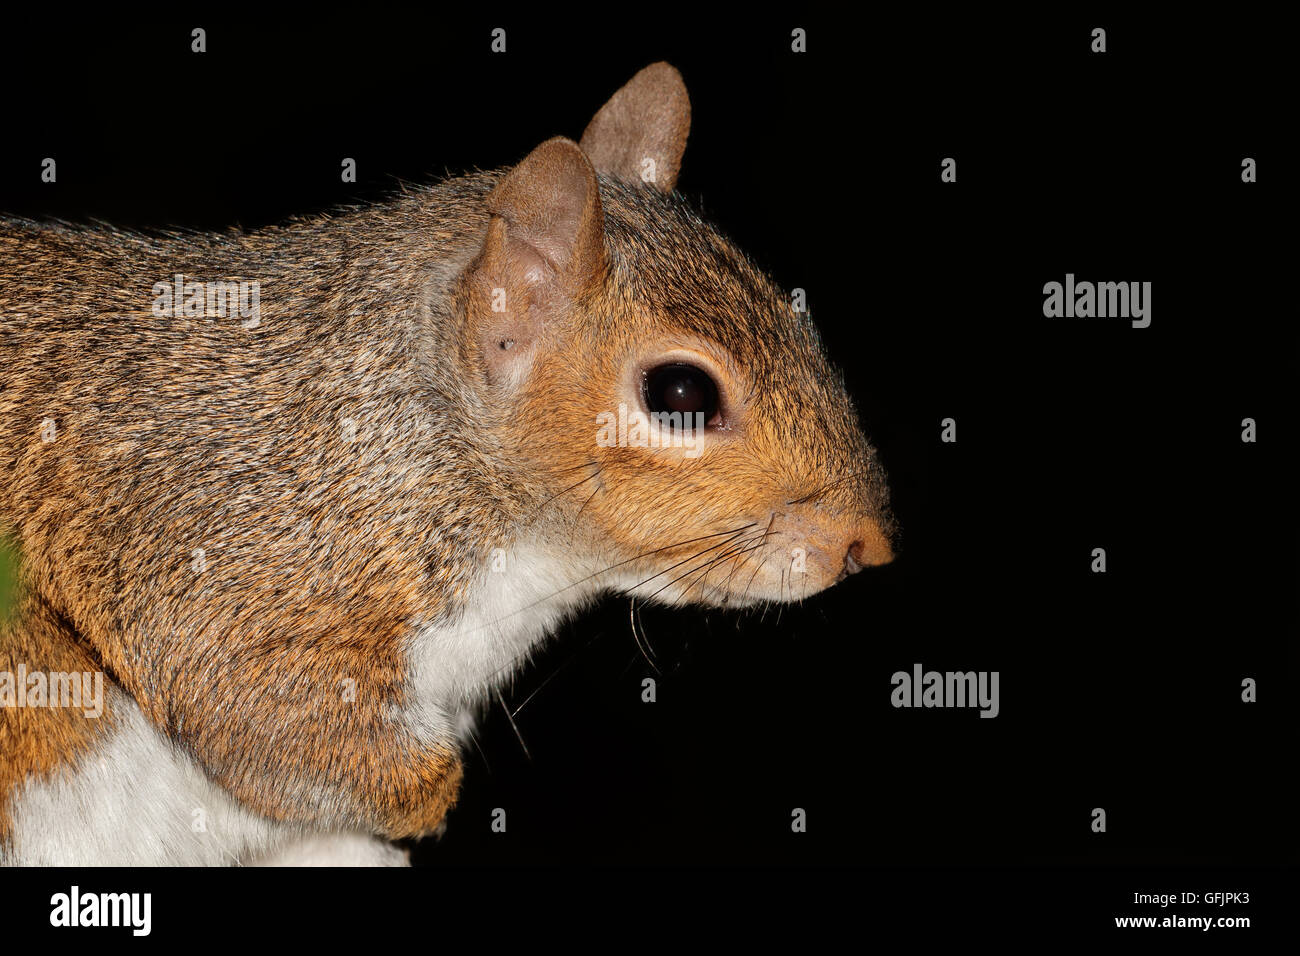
(640, 134)
(544, 247)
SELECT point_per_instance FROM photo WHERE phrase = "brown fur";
(184, 433)
(37, 740)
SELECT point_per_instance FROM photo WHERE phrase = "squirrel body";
(303, 548)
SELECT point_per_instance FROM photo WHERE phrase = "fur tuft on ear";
(640, 134)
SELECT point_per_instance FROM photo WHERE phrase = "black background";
(1119, 690)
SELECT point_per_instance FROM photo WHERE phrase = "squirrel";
(303, 542)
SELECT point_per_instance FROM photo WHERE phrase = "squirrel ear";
(550, 202)
(545, 244)
(640, 134)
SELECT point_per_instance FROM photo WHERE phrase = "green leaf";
(8, 576)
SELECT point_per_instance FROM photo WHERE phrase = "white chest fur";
(140, 800)
(137, 801)
(522, 595)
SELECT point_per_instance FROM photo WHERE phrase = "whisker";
(555, 673)
(479, 747)
(628, 666)
(585, 464)
(511, 717)
(720, 544)
(826, 487)
(750, 582)
(649, 657)
(606, 570)
(710, 562)
(732, 551)
(585, 503)
(738, 550)
(513, 663)
(565, 491)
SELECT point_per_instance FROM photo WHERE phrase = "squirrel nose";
(870, 549)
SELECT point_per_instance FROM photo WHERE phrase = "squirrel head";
(676, 412)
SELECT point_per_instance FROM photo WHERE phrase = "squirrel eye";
(679, 387)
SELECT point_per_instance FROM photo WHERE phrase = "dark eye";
(681, 388)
